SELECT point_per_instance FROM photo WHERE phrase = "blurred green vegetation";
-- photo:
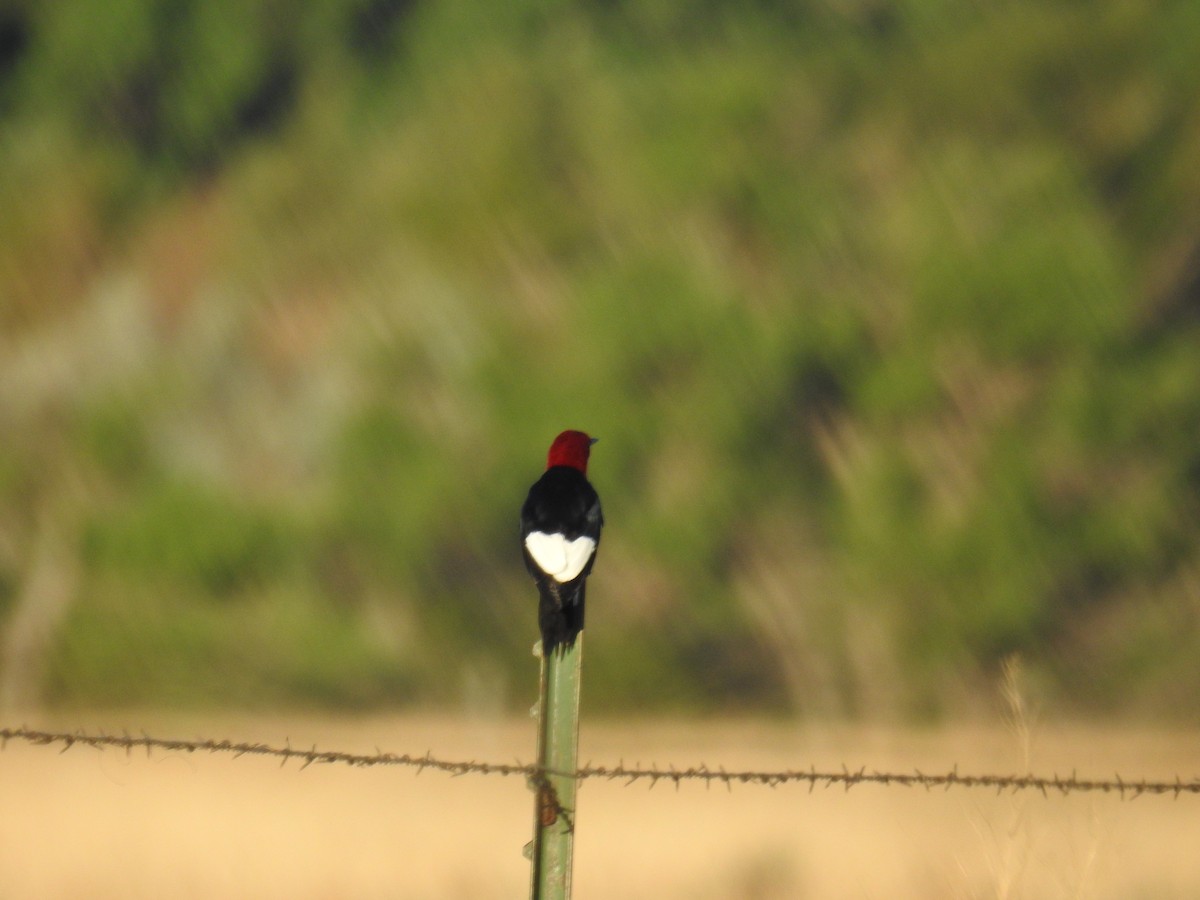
(887, 313)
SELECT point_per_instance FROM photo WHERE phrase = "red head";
(571, 448)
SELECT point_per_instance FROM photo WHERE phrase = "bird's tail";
(560, 614)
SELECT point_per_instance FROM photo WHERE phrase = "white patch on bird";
(559, 558)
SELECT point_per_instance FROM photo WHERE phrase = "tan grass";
(100, 824)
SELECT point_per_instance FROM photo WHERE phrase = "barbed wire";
(846, 778)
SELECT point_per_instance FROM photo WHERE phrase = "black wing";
(561, 502)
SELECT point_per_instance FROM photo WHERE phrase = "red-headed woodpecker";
(560, 530)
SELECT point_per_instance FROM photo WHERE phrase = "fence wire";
(1126, 788)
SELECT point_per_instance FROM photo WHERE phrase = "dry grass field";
(101, 824)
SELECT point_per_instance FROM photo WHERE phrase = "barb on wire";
(1123, 787)
(238, 749)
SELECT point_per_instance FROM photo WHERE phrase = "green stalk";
(558, 750)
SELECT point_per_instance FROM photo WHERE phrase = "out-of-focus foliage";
(887, 313)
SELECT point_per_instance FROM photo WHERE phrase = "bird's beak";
(592, 440)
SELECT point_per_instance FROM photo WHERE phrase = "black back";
(561, 502)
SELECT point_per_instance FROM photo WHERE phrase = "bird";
(560, 531)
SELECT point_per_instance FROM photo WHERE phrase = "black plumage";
(561, 502)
